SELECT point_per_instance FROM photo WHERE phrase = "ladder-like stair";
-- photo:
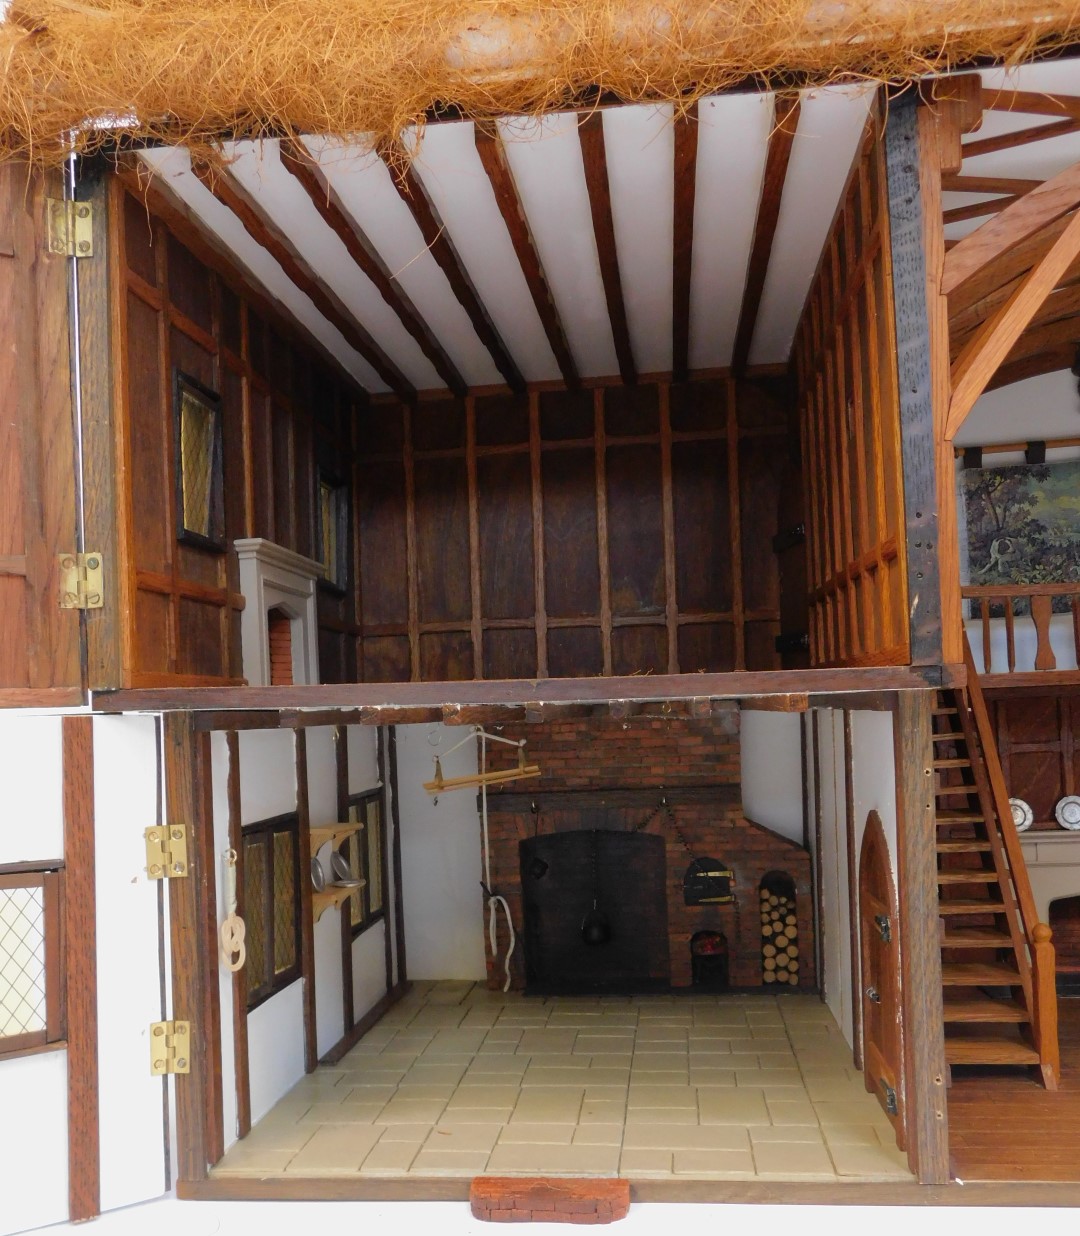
(995, 1001)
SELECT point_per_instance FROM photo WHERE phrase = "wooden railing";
(1013, 605)
(1039, 973)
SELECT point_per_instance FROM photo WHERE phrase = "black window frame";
(357, 843)
(272, 983)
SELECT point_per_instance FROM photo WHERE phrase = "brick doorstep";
(540, 1199)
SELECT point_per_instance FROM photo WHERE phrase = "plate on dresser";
(1067, 812)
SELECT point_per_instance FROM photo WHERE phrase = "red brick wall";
(653, 755)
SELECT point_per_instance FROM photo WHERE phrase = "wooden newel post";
(1045, 1010)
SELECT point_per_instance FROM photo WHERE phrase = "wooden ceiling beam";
(994, 275)
(267, 235)
(991, 345)
(594, 159)
(492, 154)
(1063, 302)
(1028, 101)
(1023, 218)
(785, 125)
(976, 210)
(686, 144)
(412, 192)
(1032, 366)
(297, 160)
(958, 183)
(1045, 337)
(1021, 137)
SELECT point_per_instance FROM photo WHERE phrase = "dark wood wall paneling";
(1038, 739)
(573, 533)
(285, 416)
(849, 416)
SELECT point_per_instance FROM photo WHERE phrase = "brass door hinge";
(70, 227)
(166, 852)
(170, 1047)
(82, 581)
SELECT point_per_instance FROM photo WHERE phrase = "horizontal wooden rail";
(1024, 601)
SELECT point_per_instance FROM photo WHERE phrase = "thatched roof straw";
(198, 70)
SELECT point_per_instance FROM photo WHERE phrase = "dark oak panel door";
(40, 660)
(880, 955)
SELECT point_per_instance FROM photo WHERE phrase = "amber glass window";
(31, 961)
(366, 852)
(333, 531)
(200, 482)
(272, 906)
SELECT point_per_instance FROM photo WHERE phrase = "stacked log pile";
(779, 939)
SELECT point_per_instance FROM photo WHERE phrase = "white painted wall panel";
(276, 1048)
(267, 774)
(32, 822)
(363, 758)
(322, 776)
(369, 968)
(771, 755)
(873, 767)
(128, 968)
(440, 851)
(329, 1005)
(33, 1141)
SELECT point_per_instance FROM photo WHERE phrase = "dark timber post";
(920, 951)
(914, 378)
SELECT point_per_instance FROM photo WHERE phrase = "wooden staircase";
(997, 962)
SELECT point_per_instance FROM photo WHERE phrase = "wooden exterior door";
(880, 956)
(40, 656)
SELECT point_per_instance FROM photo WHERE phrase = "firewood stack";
(779, 939)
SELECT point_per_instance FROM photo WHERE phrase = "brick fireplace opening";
(645, 817)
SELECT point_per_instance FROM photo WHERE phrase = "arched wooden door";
(879, 946)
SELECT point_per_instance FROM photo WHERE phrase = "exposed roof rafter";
(302, 165)
(262, 229)
(492, 154)
(594, 158)
(1020, 137)
(686, 144)
(412, 192)
(781, 139)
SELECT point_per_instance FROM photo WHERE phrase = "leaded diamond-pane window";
(30, 962)
(366, 852)
(271, 906)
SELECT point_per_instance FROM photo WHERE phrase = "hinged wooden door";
(40, 661)
(880, 955)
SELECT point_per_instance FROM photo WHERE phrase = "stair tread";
(960, 817)
(945, 711)
(973, 876)
(976, 937)
(960, 761)
(971, 907)
(947, 735)
(979, 974)
(975, 1007)
(989, 1051)
(964, 846)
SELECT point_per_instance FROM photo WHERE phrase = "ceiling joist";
(1023, 218)
(785, 126)
(1021, 137)
(978, 362)
(1064, 302)
(1029, 101)
(594, 158)
(686, 144)
(442, 249)
(492, 154)
(302, 165)
(262, 229)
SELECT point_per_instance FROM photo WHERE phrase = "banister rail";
(1026, 602)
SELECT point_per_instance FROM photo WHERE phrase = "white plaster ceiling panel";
(831, 123)
(257, 167)
(732, 135)
(545, 158)
(452, 173)
(640, 149)
(363, 183)
(173, 165)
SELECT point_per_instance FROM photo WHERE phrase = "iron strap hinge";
(166, 852)
(170, 1047)
(82, 581)
(69, 227)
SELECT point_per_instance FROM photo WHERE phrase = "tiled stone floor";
(460, 1081)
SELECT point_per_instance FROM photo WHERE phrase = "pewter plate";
(1067, 812)
(1022, 814)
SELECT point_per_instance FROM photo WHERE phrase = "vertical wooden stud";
(853, 895)
(395, 815)
(239, 985)
(476, 625)
(735, 516)
(600, 436)
(539, 580)
(410, 546)
(920, 958)
(341, 771)
(671, 603)
(307, 926)
(80, 938)
(388, 927)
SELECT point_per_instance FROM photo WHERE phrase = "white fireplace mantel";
(273, 577)
(1053, 863)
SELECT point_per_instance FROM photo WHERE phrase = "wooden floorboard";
(1004, 1126)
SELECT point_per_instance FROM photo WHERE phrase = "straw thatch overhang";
(88, 71)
